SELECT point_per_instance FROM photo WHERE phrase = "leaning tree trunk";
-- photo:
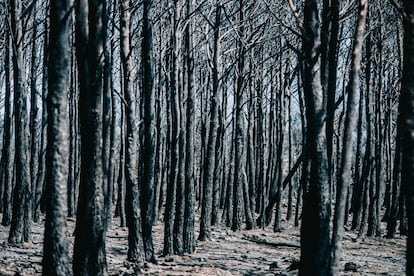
(347, 145)
(315, 245)
(55, 246)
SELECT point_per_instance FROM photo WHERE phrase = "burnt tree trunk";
(396, 173)
(350, 123)
(132, 198)
(55, 246)
(89, 257)
(7, 156)
(189, 236)
(174, 125)
(407, 112)
(34, 112)
(107, 117)
(40, 183)
(19, 230)
(315, 244)
(209, 160)
(148, 151)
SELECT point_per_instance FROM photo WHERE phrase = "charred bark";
(55, 248)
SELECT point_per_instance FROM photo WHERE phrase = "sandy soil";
(255, 252)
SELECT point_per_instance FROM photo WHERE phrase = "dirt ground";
(255, 252)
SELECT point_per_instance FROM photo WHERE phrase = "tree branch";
(399, 9)
(295, 14)
(258, 240)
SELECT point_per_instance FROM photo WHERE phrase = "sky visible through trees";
(198, 114)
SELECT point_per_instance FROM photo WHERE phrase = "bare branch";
(295, 14)
(400, 9)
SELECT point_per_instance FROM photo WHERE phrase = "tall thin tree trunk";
(209, 160)
(20, 225)
(240, 179)
(331, 27)
(290, 147)
(89, 257)
(132, 200)
(40, 183)
(396, 173)
(148, 152)
(407, 109)
(347, 144)
(34, 113)
(357, 191)
(189, 236)
(73, 133)
(315, 230)
(120, 203)
(107, 117)
(175, 125)
(55, 248)
(7, 156)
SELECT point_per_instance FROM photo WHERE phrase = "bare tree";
(132, 199)
(148, 151)
(7, 156)
(407, 112)
(20, 227)
(89, 255)
(55, 247)
(315, 244)
(189, 238)
(208, 170)
(350, 123)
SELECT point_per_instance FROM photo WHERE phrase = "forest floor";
(254, 252)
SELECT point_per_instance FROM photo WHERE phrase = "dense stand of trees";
(161, 110)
